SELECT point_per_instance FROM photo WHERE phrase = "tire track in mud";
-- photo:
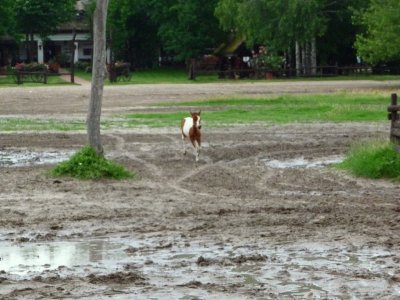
(120, 147)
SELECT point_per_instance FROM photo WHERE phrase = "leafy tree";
(187, 28)
(381, 37)
(7, 17)
(133, 34)
(274, 22)
(42, 16)
(336, 46)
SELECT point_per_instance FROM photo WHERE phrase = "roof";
(231, 46)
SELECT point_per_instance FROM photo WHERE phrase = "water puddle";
(21, 158)
(301, 162)
(176, 268)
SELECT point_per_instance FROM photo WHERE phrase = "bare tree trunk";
(307, 55)
(98, 75)
(313, 57)
(303, 59)
(298, 59)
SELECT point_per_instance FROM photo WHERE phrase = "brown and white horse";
(190, 127)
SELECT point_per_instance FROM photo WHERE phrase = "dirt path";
(259, 217)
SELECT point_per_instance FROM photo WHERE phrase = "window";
(87, 51)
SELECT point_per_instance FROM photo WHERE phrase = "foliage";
(133, 33)
(87, 164)
(271, 61)
(380, 40)
(336, 46)
(83, 66)
(374, 160)
(31, 67)
(42, 16)
(7, 17)
(277, 23)
(187, 28)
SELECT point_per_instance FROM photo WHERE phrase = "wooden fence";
(393, 116)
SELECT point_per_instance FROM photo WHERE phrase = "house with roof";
(56, 47)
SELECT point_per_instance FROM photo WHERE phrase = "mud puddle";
(301, 162)
(21, 158)
(178, 268)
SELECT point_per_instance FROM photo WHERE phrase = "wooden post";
(192, 69)
(394, 120)
(72, 61)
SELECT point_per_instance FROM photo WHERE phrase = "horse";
(190, 127)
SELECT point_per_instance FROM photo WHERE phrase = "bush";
(83, 66)
(87, 164)
(373, 160)
(32, 67)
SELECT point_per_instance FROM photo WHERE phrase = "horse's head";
(196, 119)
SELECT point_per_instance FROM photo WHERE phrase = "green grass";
(87, 164)
(339, 107)
(19, 124)
(179, 75)
(162, 75)
(378, 159)
(8, 81)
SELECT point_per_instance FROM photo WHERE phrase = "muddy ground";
(247, 222)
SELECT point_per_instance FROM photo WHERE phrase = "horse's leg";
(197, 149)
(183, 144)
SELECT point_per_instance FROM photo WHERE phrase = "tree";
(132, 32)
(42, 17)
(98, 75)
(281, 25)
(381, 37)
(187, 28)
(336, 46)
(7, 17)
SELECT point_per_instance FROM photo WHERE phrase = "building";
(56, 47)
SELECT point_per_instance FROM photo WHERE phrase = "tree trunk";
(28, 48)
(98, 75)
(298, 59)
(307, 61)
(303, 59)
(313, 57)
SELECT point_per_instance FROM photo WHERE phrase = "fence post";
(394, 119)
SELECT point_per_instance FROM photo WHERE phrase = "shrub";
(373, 160)
(83, 66)
(87, 164)
(32, 67)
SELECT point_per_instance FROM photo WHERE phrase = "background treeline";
(305, 32)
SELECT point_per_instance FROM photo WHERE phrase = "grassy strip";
(174, 75)
(340, 107)
(177, 76)
(86, 164)
(375, 160)
(9, 81)
(18, 124)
